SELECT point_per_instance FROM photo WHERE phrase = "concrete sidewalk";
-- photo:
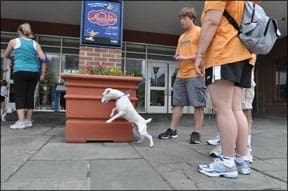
(38, 158)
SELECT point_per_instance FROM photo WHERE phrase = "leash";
(126, 93)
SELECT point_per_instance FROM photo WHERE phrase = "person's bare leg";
(221, 92)
(198, 118)
(176, 115)
(248, 114)
(242, 123)
(29, 114)
(21, 114)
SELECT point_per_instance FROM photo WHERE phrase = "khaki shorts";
(248, 97)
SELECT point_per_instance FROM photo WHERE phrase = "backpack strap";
(231, 20)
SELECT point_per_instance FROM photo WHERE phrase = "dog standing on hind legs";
(127, 111)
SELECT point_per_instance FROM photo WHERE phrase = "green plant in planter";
(110, 71)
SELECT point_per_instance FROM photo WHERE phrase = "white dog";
(127, 111)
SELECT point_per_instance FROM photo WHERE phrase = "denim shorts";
(189, 92)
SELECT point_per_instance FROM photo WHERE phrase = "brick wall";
(92, 56)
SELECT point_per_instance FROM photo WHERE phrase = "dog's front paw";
(139, 141)
(108, 121)
(151, 144)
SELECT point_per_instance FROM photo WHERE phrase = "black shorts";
(237, 72)
(2, 98)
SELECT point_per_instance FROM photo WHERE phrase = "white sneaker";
(214, 141)
(243, 166)
(18, 125)
(219, 168)
(28, 123)
(216, 152)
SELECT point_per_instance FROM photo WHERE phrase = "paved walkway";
(38, 158)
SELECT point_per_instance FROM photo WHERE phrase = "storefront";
(148, 53)
(154, 62)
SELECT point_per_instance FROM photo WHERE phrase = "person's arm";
(40, 51)
(208, 30)
(43, 71)
(180, 57)
(9, 49)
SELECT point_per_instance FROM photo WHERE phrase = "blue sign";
(101, 23)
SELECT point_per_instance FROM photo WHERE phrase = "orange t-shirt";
(187, 46)
(226, 46)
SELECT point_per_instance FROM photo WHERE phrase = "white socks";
(239, 159)
(249, 143)
(229, 161)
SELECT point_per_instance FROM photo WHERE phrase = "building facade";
(150, 54)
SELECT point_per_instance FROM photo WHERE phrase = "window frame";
(275, 97)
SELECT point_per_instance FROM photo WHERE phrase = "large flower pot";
(86, 115)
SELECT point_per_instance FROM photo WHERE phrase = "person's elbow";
(7, 56)
(213, 17)
(42, 57)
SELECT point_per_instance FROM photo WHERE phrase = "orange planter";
(86, 115)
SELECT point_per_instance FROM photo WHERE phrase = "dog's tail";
(148, 120)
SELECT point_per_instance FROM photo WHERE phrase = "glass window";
(53, 67)
(138, 66)
(71, 42)
(135, 66)
(281, 81)
(51, 49)
(157, 98)
(3, 46)
(6, 37)
(132, 55)
(51, 41)
(161, 57)
(71, 63)
(70, 51)
(158, 77)
(44, 98)
(161, 50)
(135, 48)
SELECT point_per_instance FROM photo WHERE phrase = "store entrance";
(160, 86)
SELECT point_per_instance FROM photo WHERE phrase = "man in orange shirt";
(225, 61)
(188, 89)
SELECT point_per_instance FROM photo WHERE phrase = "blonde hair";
(189, 12)
(25, 29)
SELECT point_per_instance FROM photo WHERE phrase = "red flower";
(99, 66)
(88, 68)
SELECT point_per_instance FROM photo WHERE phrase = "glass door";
(173, 68)
(160, 87)
(157, 87)
(172, 72)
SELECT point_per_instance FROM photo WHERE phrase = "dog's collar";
(125, 94)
